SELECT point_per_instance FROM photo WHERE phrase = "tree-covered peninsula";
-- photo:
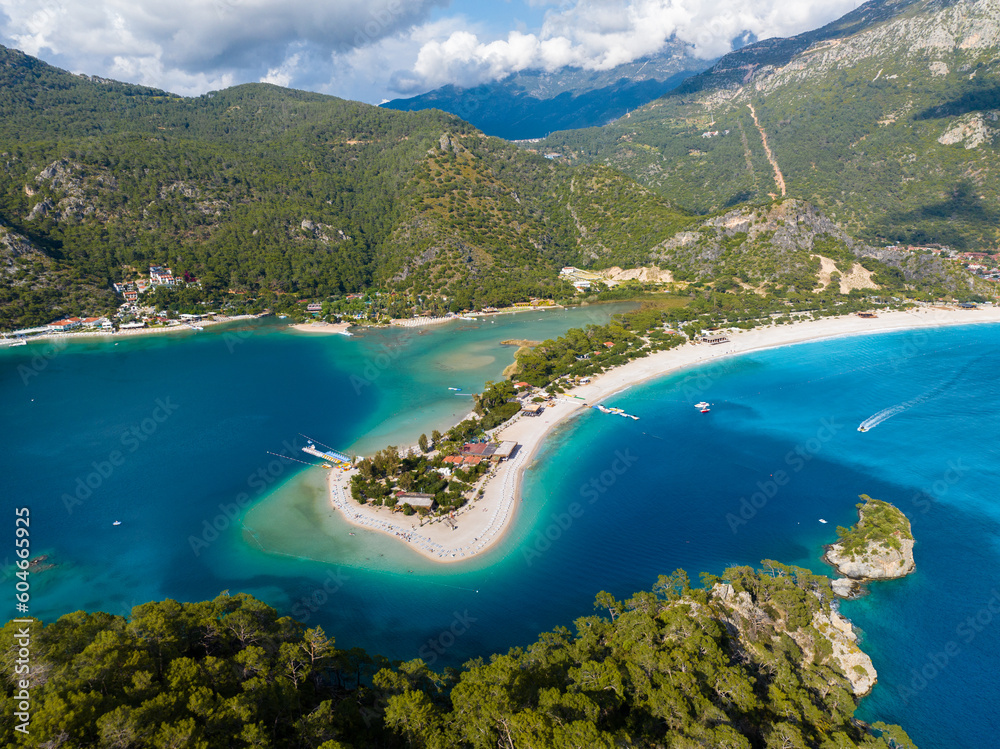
(755, 659)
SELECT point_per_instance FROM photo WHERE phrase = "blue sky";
(372, 50)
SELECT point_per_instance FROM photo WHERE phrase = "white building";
(67, 324)
(160, 276)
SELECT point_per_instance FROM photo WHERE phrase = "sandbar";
(324, 328)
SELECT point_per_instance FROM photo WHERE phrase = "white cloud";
(601, 34)
(381, 70)
(178, 43)
(283, 74)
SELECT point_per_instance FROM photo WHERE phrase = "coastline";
(419, 322)
(179, 328)
(482, 523)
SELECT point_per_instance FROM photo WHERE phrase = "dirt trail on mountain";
(779, 178)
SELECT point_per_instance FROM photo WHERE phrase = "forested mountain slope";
(886, 120)
(264, 190)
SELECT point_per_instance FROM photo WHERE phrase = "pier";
(334, 456)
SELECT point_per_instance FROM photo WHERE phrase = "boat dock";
(329, 454)
(615, 412)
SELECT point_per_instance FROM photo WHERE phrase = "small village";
(132, 315)
(986, 265)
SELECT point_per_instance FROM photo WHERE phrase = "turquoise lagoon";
(608, 504)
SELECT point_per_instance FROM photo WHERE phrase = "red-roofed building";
(472, 460)
(478, 448)
(68, 324)
(455, 459)
(609, 344)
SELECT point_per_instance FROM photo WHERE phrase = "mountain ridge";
(533, 103)
(888, 129)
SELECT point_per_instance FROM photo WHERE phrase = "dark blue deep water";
(609, 504)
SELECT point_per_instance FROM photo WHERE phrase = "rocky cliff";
(829, 639)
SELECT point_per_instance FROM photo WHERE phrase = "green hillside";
(886, 120)
(263, 191)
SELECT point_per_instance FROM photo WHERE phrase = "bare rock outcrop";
(853, 661)
(747, 617)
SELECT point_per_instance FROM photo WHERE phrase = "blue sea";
(171, 436)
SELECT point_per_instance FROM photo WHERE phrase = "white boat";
(703, 404)
(822, 521)
(117, 522)
(456, 389)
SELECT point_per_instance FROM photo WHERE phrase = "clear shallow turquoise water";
(610, 504)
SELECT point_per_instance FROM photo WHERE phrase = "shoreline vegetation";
(309, 326)
(482, 523)
(419, 322)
